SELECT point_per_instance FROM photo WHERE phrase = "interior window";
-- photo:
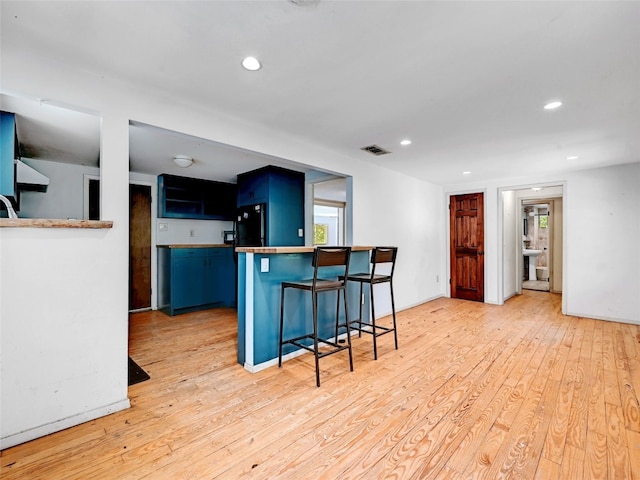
(328, 222)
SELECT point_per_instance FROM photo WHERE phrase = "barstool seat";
(379, 255)
(335, 257)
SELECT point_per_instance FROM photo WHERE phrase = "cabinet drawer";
(189, 252)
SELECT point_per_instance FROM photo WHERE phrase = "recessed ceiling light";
(466, 172)
(406, 141)
(572, 157)
(251, 63)
(552, 105)
(536, 189)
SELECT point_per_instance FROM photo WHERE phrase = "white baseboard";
(42, 430)
(607, 319)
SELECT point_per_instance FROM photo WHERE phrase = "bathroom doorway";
(532, 239)
(541, 219)
(537, 248)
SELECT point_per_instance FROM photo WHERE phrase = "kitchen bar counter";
(261, 270)
(199, 245)
(53, 223)
(289, 249)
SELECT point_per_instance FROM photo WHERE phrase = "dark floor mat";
(136, 374)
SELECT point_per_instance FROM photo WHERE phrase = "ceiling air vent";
(375, 150)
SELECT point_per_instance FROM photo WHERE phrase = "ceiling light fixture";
(572, 157)
(466, 172)
(405, 142)
(183, 161)
(536, 189)
(251, 63)
(552, 105)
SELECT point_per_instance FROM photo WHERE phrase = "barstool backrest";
(331, 257)
(383, 255)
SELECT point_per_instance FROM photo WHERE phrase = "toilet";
(542, 273)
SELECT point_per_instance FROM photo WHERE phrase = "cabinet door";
(188, 278)
(286, 210)
(226, 276)
(219, 201)
(252, 189)
(215, 279)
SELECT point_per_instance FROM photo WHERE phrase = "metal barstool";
(379, 255)
(336, 258)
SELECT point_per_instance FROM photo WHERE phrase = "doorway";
(542, 237)
(466, 234)
(139, 247)
(536, 249)
(529, 213)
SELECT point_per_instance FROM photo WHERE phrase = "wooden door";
(139, 247)
(467, 246)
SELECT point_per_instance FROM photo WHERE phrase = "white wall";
(601, 227)
(63, 344)
(409, 215)
(391, 209)
(510, 238)
(603, 258)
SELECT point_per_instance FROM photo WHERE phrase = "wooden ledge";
(53, 223)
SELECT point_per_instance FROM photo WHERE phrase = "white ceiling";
(465, 81)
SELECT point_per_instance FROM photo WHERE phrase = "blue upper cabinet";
(8, 152)
(183, 197)
(282, 191)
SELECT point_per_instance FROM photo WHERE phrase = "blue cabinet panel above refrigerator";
(281, 191)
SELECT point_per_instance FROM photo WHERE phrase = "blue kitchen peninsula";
(261, 270)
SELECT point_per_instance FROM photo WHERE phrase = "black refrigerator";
(251, 226)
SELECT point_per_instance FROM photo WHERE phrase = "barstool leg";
(393, 311)
(281, 326)
(373, 324)
(314, 295)
(346, 321)
(335, 339)
(360, 312)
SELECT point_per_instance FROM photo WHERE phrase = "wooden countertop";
(206, 245)
(53, 223)
(289, 249)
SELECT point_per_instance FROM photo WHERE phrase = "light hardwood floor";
(475, 391)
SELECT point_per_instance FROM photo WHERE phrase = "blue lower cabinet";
(188, 278)
(195, 278)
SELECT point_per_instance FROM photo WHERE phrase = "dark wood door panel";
(467, 246)
(139, 247)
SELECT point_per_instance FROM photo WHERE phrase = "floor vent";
(375, 150)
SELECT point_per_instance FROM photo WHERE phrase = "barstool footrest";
(321, 341)
(360, 324)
